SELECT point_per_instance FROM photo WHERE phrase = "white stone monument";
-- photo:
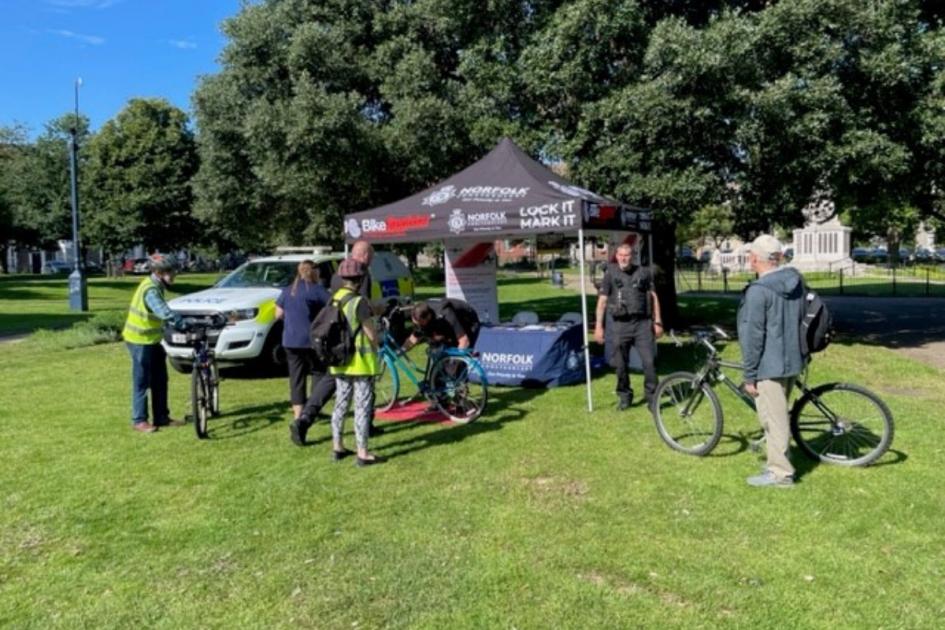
(823, 244)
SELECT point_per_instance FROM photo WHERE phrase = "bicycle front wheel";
(386, 385)
(458, 388)
(842, 423)
(214, 390)
(200, 400)
(688, 414)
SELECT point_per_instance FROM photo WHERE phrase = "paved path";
(914, 326)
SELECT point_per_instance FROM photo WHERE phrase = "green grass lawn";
(29, 302)
(873, 281)
(538, 515)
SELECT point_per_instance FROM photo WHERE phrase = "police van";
(247, 298)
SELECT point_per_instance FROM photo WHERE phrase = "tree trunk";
(893, 240)
(664, 261)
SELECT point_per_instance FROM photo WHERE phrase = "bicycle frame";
(712, 372)
(390, 351)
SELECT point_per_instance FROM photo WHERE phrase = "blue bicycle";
(452, 380)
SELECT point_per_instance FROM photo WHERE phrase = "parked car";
(860, 254)
(141, 266)
(247, 297)
(55, 267)
(879, 254)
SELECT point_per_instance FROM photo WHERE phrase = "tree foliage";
(35, 181)
(138, 180)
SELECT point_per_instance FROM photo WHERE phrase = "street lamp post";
(78, 290)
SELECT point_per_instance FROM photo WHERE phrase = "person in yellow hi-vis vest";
(142, 334)
(357, 375)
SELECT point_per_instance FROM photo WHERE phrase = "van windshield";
(260, 274)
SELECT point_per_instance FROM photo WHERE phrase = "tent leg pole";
(587, 349)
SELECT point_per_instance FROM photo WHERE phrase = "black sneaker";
(298, 429)
(374, 431)
(624, 403)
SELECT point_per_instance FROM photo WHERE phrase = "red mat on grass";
(416, 411)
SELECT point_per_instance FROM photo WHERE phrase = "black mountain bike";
(205, 375)
(836, 423)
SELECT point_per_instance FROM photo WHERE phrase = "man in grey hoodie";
(769, 334)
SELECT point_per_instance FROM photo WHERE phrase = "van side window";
(325, 271)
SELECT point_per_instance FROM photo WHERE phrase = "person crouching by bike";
(769, 334)
(356, 377)
(626, 291)
(297, 306)
(450, 322)
(142, 333)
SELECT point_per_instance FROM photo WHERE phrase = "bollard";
(724, 280)
(841, 281)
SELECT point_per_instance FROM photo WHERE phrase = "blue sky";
(120, 48)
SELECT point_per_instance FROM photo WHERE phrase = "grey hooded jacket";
(769, 326)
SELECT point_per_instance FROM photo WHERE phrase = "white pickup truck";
(247, 297)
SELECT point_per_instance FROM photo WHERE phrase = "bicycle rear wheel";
(200, 400)
(842, 423)
(386, 385)
(458, 388)
(688, 414)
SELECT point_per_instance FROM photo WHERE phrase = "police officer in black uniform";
(626, 293)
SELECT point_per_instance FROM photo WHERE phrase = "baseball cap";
(351, 269)
(766, 247)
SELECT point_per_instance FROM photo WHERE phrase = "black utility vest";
(630, 298)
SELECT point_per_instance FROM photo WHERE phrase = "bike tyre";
(713, 432)
(199, 402)
(806, 441)
(451, 394)
(214, 390)
(386, 386)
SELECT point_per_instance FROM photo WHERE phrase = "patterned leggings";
(363, 387)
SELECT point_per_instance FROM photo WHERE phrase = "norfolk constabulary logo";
(439, 196)
(457, 221)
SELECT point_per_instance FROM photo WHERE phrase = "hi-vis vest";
(142, 326)
(365, 361)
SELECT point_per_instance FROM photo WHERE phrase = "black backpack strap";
(342, 303)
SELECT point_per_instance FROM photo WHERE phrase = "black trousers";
(302, 364)
(634, 334)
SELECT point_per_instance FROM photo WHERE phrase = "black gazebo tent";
(505, 194)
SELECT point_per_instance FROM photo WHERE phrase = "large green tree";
(138, 179)
(322, 108)
(36, 182)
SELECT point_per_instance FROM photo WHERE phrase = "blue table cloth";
(539, 355)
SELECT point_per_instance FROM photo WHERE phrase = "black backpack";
(816, 323)
(331, 334)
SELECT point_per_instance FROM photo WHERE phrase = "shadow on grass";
(246, 420)
(16, 324)
(501, 410)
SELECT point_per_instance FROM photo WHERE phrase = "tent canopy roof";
(505, 194)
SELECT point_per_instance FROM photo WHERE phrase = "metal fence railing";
(913, 281)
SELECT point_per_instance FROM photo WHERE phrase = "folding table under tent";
(506, 194)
